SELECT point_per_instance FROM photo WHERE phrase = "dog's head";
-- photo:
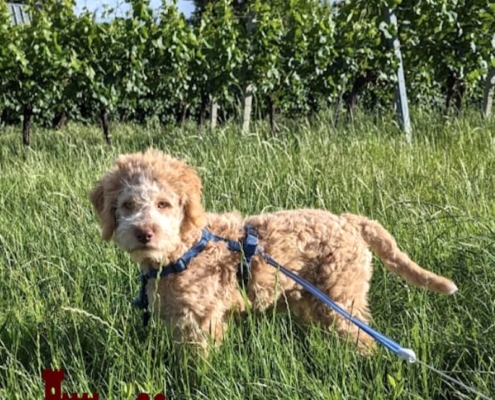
(148, 203)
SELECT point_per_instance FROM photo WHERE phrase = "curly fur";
(150, 204)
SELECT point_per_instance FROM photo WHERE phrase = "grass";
(65, 295)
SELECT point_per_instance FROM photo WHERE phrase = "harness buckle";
(249, 249)
(180, 265)
(250, 245)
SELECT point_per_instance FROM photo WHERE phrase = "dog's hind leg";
(345, 328)
(345, 279)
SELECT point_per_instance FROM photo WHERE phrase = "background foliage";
(301, 55)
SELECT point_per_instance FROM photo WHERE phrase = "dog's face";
(148, 218)
(148, 202)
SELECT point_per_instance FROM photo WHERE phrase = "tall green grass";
(65, 295)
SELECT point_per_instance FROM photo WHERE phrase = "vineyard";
(296, 57)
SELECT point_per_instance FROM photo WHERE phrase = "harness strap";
(182, 263)
(142, 300)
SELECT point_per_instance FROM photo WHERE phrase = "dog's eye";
(163, 204)
(128, 205)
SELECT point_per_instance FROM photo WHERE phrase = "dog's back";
(313, 235)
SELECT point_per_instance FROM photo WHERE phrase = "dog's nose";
(144, 235)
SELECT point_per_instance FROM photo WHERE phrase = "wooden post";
(400, 92)
(248, 91)
(489, 89)
(247, 106)
(213, 114)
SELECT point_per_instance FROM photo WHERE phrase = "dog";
(150, 204)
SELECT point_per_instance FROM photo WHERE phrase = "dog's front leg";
(197, 334)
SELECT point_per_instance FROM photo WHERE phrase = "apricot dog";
(150, 204)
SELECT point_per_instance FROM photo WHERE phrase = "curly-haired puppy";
(150, 204)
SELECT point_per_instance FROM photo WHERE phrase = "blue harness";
(249, 247)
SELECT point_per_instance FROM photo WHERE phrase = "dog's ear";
(103, 207)
(194, 214)
(194, 211)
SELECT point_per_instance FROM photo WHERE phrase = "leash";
(249, 247)
(405, 354)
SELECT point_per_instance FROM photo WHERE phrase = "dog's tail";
(385, 246)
